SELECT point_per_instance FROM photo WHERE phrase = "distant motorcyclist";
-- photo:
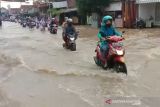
(30, 22)
(43, 24)
(53, 21)
(53, 26)
(69, 29)
(106, 30)
(37, 22)
(64, 25)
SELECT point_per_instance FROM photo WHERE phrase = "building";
(16, 7)
(149, 10)
(4, 10)
(67, 9)
(129, 11)
(42, 7)
(115, 10)
(122, 11)
(71, 12)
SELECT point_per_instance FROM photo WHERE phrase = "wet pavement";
(36, 71)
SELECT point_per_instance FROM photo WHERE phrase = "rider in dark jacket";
(70, 29)
(53, 21)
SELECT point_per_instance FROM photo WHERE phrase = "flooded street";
(36, 71)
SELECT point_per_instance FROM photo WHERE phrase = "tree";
(54, 12)
(88, 6)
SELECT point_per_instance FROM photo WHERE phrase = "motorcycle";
(114, 58)
(24, 24)
(71, 41)
(32, 24)
(37, 25)
(140, 24)
(53, 29)
(42, 28)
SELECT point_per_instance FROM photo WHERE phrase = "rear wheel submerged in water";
(120, 68)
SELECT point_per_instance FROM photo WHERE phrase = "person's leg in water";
(64, 39)
(104, 50)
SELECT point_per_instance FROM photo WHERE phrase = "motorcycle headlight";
(119, 52)
(72, 39)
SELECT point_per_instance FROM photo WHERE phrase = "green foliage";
(54, 12)
(88, 6)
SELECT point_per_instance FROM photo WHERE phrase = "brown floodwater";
(36, 71)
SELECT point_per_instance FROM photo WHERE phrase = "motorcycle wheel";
(64, 45)
(120, 68)
(55, 32)
(73, 47)
(97, 61)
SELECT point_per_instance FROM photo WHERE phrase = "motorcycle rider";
(42, 23)
(53, 21)
(69, 29)
(64, 24)
(37, 22)
(106, 30)
(30, 22)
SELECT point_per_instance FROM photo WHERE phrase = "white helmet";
(70, 20)
(66, 18)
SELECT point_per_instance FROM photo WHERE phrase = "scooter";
(140, 24)
(24, 24)
(42, 28)
(71, 41)
(114, 58)
(37, 25)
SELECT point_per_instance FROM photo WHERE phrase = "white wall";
(114, 6)
(7, 5)
(147, 10)
(60, 4)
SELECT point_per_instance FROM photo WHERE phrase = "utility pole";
(0, 15)
(0, 7)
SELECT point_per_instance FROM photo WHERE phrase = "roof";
(27, 6)
(61, 4)
(147, 1)
(114, 6)
(69, 10)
